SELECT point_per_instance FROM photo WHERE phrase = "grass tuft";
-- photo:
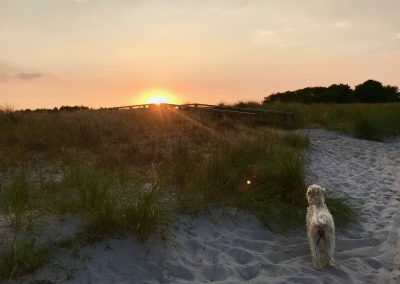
(21, 257)
(296, 141)
(143, 213)
(112, 211)
(277, 196)
(139, 213)
(283, 177)
(341, 211)
(369, 129)
(15, 200)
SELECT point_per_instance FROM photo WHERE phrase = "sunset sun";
(158, 99)
(157, 96)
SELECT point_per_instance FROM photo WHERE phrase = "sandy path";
(369, 173)
(240, 249)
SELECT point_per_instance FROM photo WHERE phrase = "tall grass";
(344, 215)
(284, 179)
(212, 177)
(140, 213)
(15, 200)
(19, 257)
(111, 207)
(206, 164)
(131, 172)
(264, 174)
(277, 195)
(143, 213)
(366, 121)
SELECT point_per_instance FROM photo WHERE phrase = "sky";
(102, 53)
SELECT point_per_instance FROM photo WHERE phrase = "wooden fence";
(256, 114)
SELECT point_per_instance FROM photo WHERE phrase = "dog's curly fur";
(320, 228)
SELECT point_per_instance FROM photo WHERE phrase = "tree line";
(62, 108)
(370, 91)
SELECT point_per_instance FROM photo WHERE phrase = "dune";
(228, 246)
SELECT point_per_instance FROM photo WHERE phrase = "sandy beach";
(233, 247)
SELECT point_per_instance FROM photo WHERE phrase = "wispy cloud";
(3, 78)
(266, 33)
(270, 37)
(6, 68)
(397, 36)
(23, 76)
(342, 24)
(28, 76)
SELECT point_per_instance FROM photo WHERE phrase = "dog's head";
(315, 194)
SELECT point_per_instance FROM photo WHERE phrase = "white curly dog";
(320, 228)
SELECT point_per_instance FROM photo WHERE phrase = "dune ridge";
(228, 246)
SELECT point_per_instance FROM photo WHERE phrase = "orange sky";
(112, 52)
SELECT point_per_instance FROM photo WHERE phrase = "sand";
(221, 249)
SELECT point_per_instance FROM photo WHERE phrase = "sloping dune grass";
(366, 121)
(133, 172)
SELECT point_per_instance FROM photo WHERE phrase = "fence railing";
(260, 115)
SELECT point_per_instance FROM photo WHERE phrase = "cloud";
(343, 24)
(28, 76)
(397, 36)
(266, 33)
(24, 76)
(6, 67)
(266, 37)
(13, 72)
(3, 77)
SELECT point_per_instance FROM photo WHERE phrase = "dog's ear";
(310, 193)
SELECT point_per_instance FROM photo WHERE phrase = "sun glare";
(157, 96)
(158, 99)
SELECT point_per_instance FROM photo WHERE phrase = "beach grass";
(19, 257)
(366, 121)
(132, 172)
(277, 195)
(343, 213)
(15, 200)
(139, 212)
